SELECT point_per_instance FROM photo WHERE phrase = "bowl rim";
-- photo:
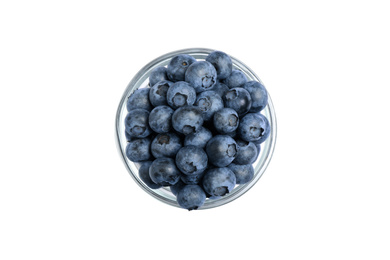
(261, 166)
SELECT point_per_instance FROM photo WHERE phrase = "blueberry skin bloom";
(191, 160)
(258, 94)
(220, 89)
(187, 119)
(201, 75)
(143, 173)
(247, 153)
(163, 171)
(139, 99)
(192, 179)
(137, 123)
(254, 128)
(191, 197)
(177, 187)
(222, 63)
(181, 94)
(165, 145)
(226, 120)
(221, 150)
(138, 150)
(219, 181)
(178, 66)
(209, 102)
(198, 138)
(239, 99)
(158, 93)
(243, 173)
(158, 74)
(160, 119)
(236, 79)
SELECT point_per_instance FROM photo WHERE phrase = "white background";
(65, 194)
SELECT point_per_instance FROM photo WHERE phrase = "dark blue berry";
(254, 127)
(192, 179)
(191, 197)
(220, 89)
(238, 99)
(236, 79)
(219, 181)
(258, 147)
(258, 94)
(181, 94)
(160, 119)
(247, 153)
(157, 74)
(138, 150)
(243, 173)
(226, 120)
(143, 173)
(158, 93)
(177, 187)
(221, 150)
(209, 102)
(187, 119)
(191, 160)
(201, 75)
(178, 66)
(165, 145)
(222, 63)
(198, 138)
(163, 171)
(137, 124)
(139, 99)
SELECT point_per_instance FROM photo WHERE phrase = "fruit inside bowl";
(196, 128)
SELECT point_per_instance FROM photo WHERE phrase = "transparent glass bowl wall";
(140, 80)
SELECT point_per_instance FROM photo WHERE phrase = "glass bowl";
(164, 194)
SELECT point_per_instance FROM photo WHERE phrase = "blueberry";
(247, 153)
(239, 99)
(258, 147)
(128, 137)
(139, 99)
(219, 181)
(209, 102)
(191, 197)
(138, 150)
(191, 160)
(158, 93)
(201, 75)
(236, 79)
(222, 63)
(198, 138)
(178, 66)
(136, 123)
(254, 127)
(192, 179)
(258, 94)
(181, 94)
(243, 173)
(143, 173)
(177, 187)
(160, 119)
(220, 89)
(221, 150)
(226, 120)
(187, 119)
(163, 171)
(157, 74)
(232, 134)
(165, 145)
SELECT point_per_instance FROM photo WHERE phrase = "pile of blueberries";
(196, 128)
